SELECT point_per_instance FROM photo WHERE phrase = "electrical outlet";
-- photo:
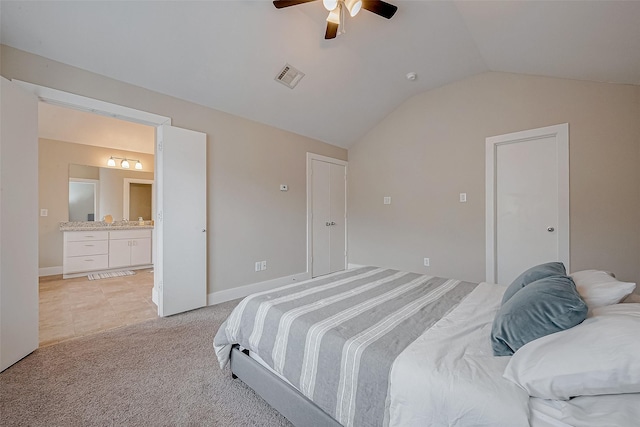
(263, 265)
(44, 212)
(426, 262)
(258, 266)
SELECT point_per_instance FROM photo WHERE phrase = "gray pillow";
(541, 308)
(531, 275)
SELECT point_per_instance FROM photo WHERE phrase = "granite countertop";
(102, 226)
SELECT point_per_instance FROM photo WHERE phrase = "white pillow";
(599, 356)
(599, 288)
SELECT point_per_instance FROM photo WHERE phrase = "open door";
(181, 262)
(18, 223)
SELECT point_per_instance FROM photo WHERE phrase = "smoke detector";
(412, 76)
(289, 76)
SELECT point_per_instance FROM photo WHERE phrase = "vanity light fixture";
(124, 162)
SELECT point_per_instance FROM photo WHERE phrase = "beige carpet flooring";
(161, 372)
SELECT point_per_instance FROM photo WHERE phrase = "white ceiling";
(225, 54)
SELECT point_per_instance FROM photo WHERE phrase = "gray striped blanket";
(335, 337)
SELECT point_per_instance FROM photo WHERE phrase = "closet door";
(328, 217)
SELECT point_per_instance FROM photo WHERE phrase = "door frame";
(561, 133)
(126, 194)
(310, 158)
(95, 106)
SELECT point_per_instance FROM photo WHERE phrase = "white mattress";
(449, 377)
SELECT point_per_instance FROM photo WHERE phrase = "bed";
(380, 347)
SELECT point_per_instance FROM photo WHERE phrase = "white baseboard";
(50, 271)
(350, 266)
(242, 291)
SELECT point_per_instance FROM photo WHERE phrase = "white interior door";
(321, 195)
(530, 201)
(338, 217)
(18, 214)
(181, 262)
(328, 216)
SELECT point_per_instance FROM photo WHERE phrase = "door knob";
(204, 230)
(333, 223)
(327, 224)
(550, 229)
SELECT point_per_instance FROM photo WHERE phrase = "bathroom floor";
(71, 308)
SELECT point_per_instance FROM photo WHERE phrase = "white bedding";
(449, 377)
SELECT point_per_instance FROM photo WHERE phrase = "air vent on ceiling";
(289, 76)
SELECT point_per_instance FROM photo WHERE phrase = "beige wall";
(53, 178)
(432, 148)
(249, 219)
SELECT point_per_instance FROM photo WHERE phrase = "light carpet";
(96, 276)
(161, 372)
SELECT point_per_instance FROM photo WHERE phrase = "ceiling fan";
(336, 10)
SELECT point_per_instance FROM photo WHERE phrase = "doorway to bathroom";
(75, 153)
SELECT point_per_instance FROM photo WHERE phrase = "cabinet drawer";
(130, 234)
(88, 247)
(83, 236)
(85, 263)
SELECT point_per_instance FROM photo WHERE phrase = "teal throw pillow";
(541, 308)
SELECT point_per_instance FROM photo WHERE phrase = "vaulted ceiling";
(225, 54)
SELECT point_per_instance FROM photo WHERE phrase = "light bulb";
(138, 165)
(330, 4)
(111, 162)
(353, 6)
(124, 164)
(334, 16)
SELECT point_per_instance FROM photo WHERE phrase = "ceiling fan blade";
(279, 4)
(379, 7)
(332, 31)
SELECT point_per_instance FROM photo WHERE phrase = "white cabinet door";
(18, 223)
(119, 253)
(140, 251)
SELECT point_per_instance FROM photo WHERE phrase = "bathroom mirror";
(124, 193)
(83, 200)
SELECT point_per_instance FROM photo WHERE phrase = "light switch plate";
(463, 197)
(387, 200)
(44, 212)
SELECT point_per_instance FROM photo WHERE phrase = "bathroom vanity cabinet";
(129, 247)
(92, 251)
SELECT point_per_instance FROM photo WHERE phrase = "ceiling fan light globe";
(353, 6)
(334, 16)
(330, 4)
